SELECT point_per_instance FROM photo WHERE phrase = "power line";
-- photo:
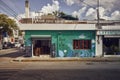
(16, 6)
(9, 13)
(8, 8)
(97, 10)
(86, 3)
(6, 11)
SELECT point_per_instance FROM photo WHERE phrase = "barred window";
(81, 44)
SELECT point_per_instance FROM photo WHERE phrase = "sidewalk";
(15, 55)
(7, 49)
(39, 59)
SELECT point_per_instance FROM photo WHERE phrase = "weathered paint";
(63, 41)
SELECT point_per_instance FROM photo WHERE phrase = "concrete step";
(44, 56)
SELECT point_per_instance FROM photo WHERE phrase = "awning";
(41, 37)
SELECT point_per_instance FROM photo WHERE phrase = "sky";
(83, 9)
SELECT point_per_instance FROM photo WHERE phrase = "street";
(66, 70)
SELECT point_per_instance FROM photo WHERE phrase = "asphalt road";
(61, 71)
(67, 74)
(74, 70)
(60, 74)
(5, 74)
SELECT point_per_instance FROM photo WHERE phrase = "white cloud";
(21, 15)
(79, 13)
(115, 15)
(85, 12)
(75, 14)
(90, 11)
(90, 14)
(90, 2)
(70, 2)
(106, 8)
(33, 14)
(102, 13)
(107, 4)
(50, 8)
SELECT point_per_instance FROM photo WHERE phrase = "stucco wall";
(63, 41)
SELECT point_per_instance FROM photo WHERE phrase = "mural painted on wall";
(28, 46)
(63, 41)
(65, 45)
(28, 42)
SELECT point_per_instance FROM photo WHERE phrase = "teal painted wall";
(63, 41)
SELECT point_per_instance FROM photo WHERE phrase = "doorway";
(41, 47)
(111, 46)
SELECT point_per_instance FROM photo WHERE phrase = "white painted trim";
(41, 36)
(99, 46)
(111, 55)
(111, 27)
(111, 36)
(32, 50)
(57, 27)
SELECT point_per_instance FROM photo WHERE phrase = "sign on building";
(108, 32)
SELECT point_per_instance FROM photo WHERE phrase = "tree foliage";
(63, 15)
(7, 24)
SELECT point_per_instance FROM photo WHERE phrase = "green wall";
(63, 41)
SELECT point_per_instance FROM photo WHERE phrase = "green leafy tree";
(64, 15)
(7, 24)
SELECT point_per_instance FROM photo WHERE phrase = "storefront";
(110, 42)
(67, 41)
(41, 44)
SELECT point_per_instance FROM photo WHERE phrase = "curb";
(8, 49)
(66, 59)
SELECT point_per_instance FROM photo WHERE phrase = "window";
(81, 44)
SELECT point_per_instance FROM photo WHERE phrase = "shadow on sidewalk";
(15, 54)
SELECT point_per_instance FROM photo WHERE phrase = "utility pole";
(98, 15)
(99, 38)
